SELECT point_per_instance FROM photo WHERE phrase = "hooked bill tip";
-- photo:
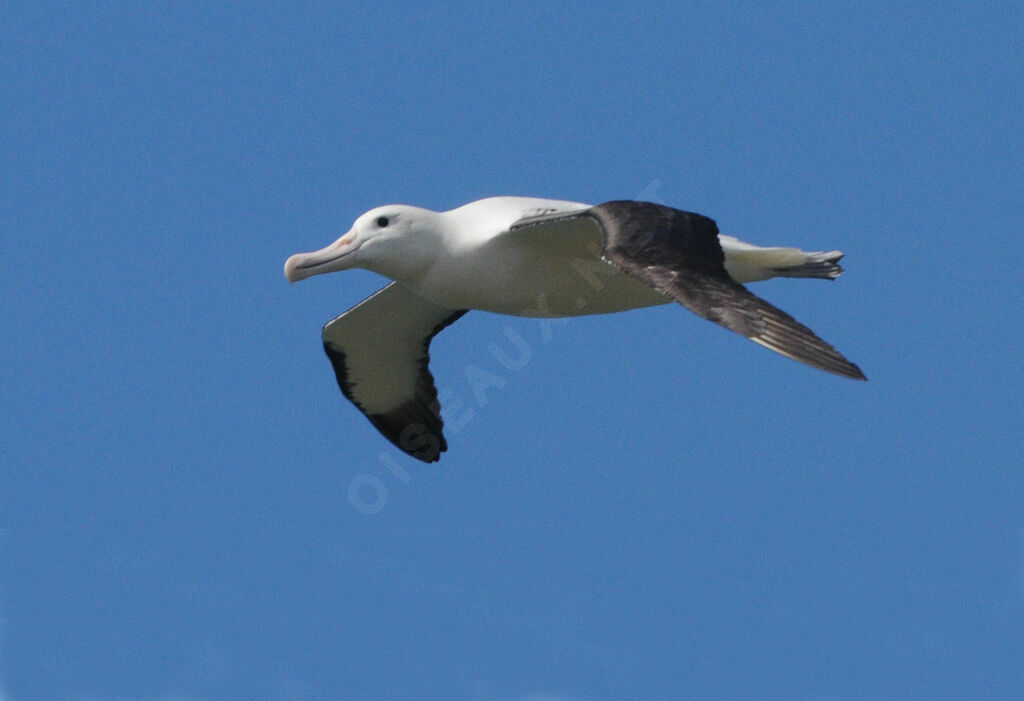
(291, 268)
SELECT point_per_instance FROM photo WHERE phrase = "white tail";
(748, 263)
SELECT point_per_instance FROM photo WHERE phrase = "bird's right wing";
(679, 254)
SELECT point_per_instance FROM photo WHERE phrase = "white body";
(467, 258)
(527, 273)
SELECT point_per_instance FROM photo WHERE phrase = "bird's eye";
(382, 222)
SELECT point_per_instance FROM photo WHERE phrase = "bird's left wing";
(379, 350)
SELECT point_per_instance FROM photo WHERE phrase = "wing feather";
(679, 254)
(380, 353)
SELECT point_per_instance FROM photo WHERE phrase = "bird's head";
(389, 240)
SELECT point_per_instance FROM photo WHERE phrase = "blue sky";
(646, 507)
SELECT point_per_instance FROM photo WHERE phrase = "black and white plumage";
(534, 257)
(379, 350)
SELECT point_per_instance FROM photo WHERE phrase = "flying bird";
(535, 257)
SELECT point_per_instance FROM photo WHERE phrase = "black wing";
(379, 350)
(678, 253)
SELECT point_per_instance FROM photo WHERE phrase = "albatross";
(534, 257)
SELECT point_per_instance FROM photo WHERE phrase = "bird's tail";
(818, 264)
(748, 263)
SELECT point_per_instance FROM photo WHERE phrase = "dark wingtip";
(849, 371)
